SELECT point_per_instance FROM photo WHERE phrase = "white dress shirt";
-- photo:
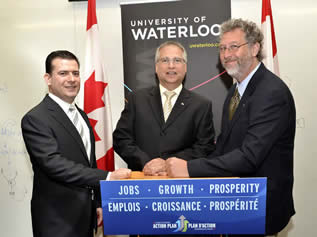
(174, 98)
(243, 85)
(65, 107)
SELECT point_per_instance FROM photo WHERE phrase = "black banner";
(196, 25)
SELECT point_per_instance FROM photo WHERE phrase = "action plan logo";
(183, 225)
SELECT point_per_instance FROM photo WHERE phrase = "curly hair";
(252, 32)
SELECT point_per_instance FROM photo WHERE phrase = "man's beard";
(242, 64)
(233, 70)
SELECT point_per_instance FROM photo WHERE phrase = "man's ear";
(47, 78)
(255, 49)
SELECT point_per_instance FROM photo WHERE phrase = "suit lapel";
(156, 105)
(91, 134)
(59, 115)
(181, 104)
(256, 78)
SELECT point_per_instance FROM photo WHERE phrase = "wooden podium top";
(140, 175)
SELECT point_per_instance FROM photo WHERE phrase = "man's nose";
(171, 64)
(72, 77)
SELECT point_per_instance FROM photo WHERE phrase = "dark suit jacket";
(61, 202)
(142, 134)
(258, 142)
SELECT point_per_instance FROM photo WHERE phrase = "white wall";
(32, 29)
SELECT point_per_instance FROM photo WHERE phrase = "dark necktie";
(234, 102)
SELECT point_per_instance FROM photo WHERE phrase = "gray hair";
(167, 43)
(252, 32)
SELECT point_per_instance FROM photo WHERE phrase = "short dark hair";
(64, 54)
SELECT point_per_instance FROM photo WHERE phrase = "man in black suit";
(66, 196)
(154, 127)
(257, 139)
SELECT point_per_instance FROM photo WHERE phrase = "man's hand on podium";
(177, 168)
(155, 167)
(121, 173)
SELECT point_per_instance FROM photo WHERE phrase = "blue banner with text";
(184, 206)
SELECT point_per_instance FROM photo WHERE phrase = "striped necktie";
(79, 126)
(167, 108)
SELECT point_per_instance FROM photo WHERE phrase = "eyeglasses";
(231, 48)
(173, 60)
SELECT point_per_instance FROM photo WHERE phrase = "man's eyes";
(66, 73)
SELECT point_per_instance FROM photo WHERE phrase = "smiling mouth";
(71, 87)
(171, 73)
(230, 61)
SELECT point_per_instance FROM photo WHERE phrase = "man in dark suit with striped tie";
(66, 196)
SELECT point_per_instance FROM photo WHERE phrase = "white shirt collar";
(243, 85)
(64, 105)
(176, 90)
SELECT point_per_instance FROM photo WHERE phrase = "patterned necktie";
(167, 108)
(234, 102)
(79, 126)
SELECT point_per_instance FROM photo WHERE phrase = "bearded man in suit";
(258, 126)
(165, 120)
(66, 195)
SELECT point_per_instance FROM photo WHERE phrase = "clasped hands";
(172, 167)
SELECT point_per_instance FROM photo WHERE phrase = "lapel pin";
(182, 103)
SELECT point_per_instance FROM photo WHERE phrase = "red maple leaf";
(93, 93)
(93, 125)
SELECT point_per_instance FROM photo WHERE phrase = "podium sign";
(184, 206)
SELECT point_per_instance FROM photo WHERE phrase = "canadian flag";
(96, 93)
(270, 49)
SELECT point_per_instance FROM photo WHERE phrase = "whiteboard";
(30, 30)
